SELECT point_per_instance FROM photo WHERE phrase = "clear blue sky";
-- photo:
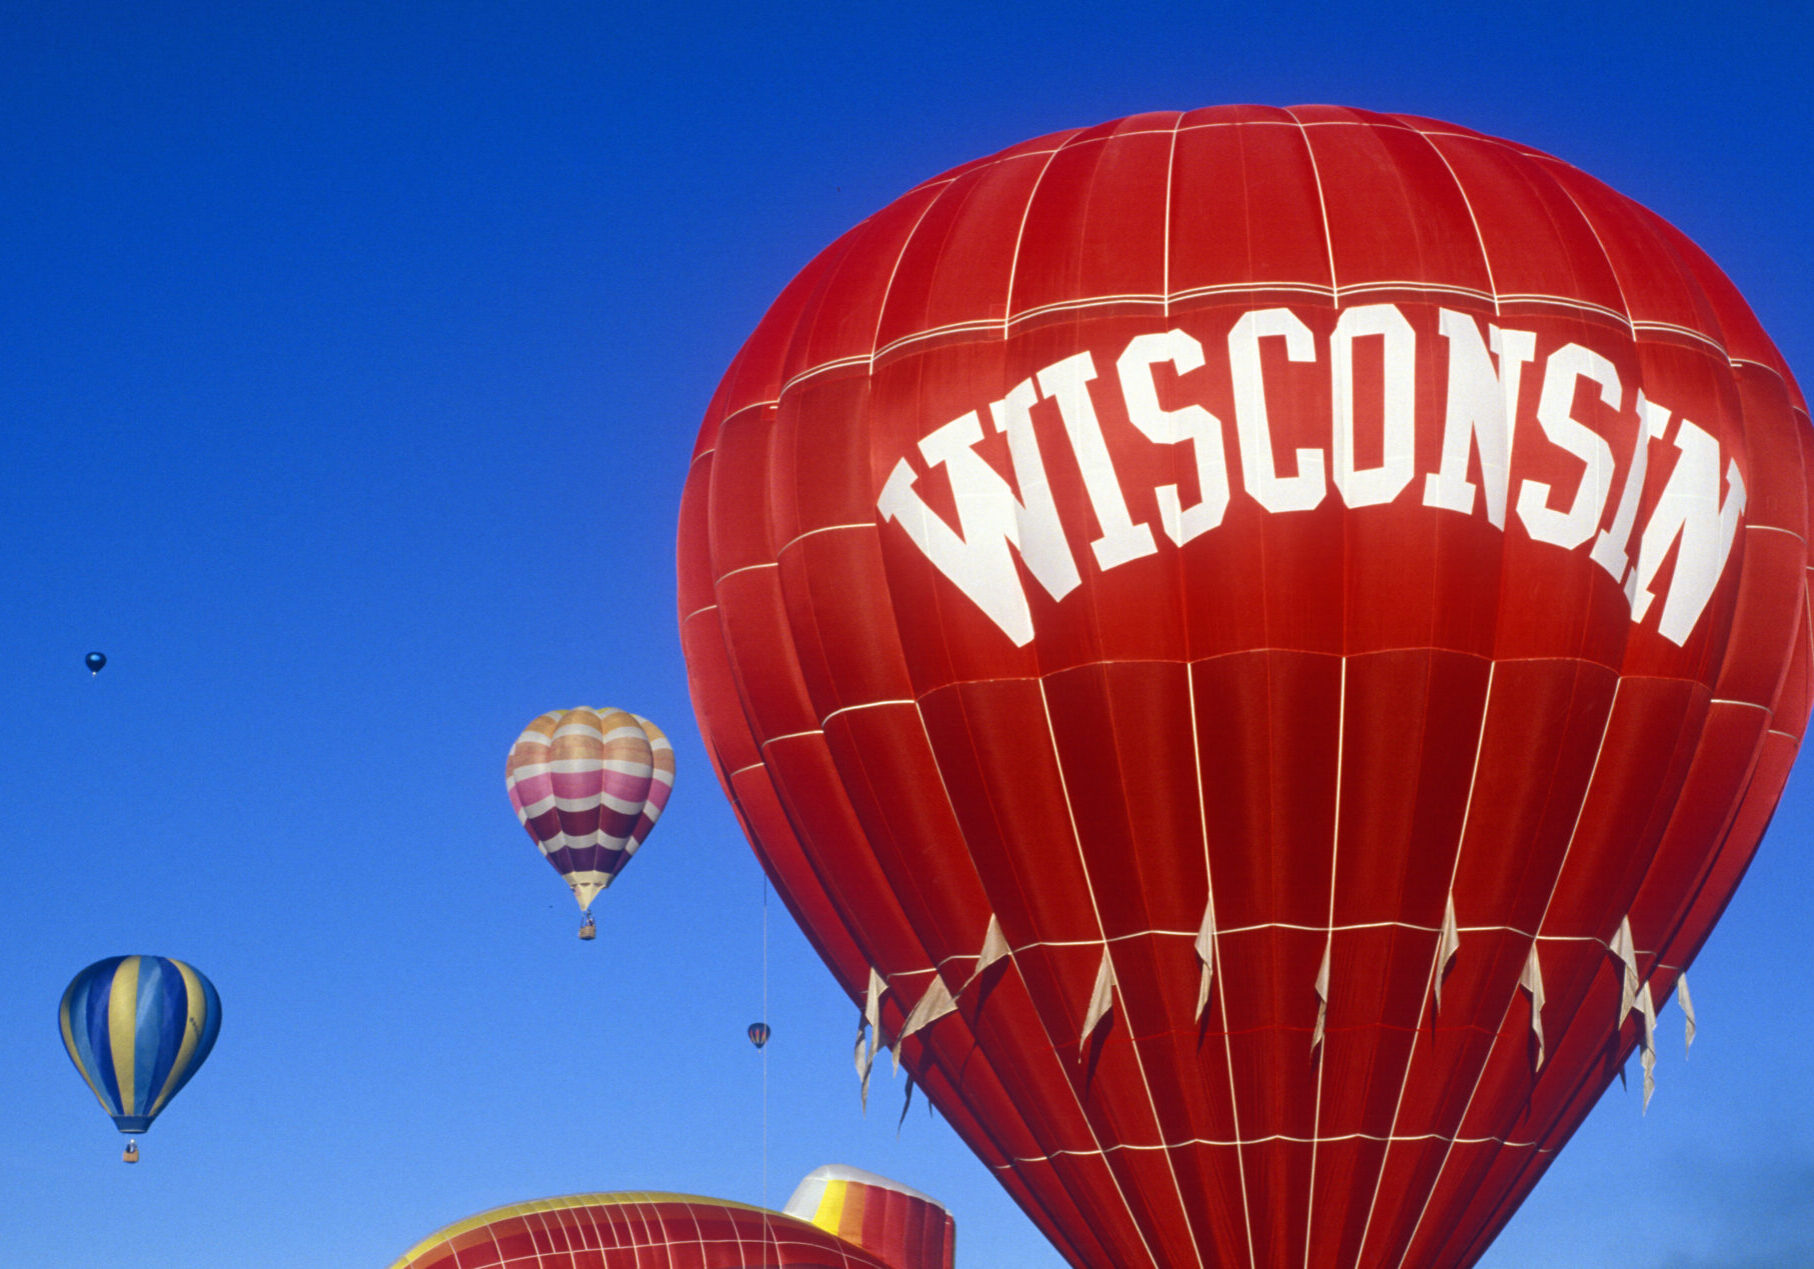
(350, 360)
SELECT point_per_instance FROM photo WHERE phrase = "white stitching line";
(894, 270)
(1322, 1056)
(1173, 299)
(1083, 866)
(1587, 790)
(1349, 927)
(1335, 859)
(863, 705)
(1436, 965)
(828, 528)
(1238, 1142)
(746, 568)
(1215, 948)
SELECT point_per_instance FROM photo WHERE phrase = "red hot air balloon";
(1257, 643)
(588, 785)
(838, 1218)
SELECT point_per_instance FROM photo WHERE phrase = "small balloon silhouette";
(95, 661)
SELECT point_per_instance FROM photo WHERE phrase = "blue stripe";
(162, 1006)
(95, 991)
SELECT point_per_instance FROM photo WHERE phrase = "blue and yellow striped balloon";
(137, 1027)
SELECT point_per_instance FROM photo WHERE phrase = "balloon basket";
(131, 1153)
(589, 930)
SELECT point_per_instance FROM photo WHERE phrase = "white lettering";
(1375, 485)
(1068, 383)
(1690, 513)
(1555, 413)
(978, 562)
(1254, 430)
(1610, 546)
(1482, 408)
(997, 519)
(1169, 427)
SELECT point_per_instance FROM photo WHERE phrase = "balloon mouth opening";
(132, 1123)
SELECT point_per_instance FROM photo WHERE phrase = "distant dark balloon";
(758, 1033)
(95, 661)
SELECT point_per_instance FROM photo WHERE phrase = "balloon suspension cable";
(764, 1049)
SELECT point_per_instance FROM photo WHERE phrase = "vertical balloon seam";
(1066, 196)
(1067, 1076)
(1533, 1149)
(1678, 930)
(1320, 1055)
(1244, 1162)
(1194, 1130)
(735, 802)
(1684, 943)
(1486, 711)
(1059, 1176)
(717, 642)
(1589, 1083)
(1180, 589)
(1586, 793)
(1280, 1211)
(839, 904)
(1461, 831)
(1590, 1079)
(1410, 934)
(1104, 1158)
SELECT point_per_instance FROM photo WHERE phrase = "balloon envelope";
(838, 1218)
(758, 1033)
(587, 786)
(95, 661)
(1272, 635)
(138, 1028)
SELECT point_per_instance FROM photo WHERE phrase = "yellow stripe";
(435, 1240)
(123, 1029)
(192, 1033)
(69, 1042)
(830, 1216)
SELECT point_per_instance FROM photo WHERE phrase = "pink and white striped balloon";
(588, 785)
